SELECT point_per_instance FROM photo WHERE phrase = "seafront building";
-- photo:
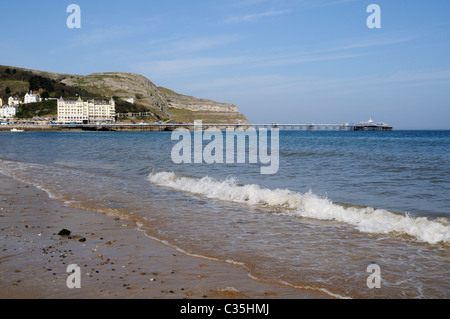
(86, 112)
(8, 111)
(13, 101)
(31, 98)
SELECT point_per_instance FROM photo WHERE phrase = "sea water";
(339, 202)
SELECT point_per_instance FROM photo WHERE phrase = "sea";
(349, 214)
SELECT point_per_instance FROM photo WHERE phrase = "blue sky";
(278, 60)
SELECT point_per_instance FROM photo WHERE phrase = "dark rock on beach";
(64, 232)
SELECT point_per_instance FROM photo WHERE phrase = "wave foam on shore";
(309, 205)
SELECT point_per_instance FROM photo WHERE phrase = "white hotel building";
(86, 112)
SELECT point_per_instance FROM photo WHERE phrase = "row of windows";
(84, 117)
(73, 117)
(85, 108)
(81, 110)
(86, 113)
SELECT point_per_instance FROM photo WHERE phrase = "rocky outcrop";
(188, 109)
(179, 101)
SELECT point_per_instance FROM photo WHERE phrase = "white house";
(31, 98)
(8, 111)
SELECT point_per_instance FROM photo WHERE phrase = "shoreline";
(116, 259)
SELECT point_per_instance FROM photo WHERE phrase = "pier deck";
(191, 126)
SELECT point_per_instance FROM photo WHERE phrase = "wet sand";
(116, 260)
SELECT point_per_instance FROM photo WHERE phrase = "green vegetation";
(187, 116)
(39, 109)
(9, 87)
(126, 107)
(19, 82)
(168, 91)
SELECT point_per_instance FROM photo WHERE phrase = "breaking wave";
(309, 205)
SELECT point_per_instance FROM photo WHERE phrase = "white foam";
(309, 205)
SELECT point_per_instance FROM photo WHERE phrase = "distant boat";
(16, 130)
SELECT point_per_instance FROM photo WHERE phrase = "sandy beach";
(115, 258)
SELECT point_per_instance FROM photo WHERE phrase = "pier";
(365, 126)
(362, 126)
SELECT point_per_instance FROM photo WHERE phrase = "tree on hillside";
(38, 82)
(45, 95)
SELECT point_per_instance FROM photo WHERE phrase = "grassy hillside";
(44, 109)
(16, 81)
(188, 116)
(126, 107)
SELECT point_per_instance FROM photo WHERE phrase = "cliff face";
(188, 109)
(179, 101)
